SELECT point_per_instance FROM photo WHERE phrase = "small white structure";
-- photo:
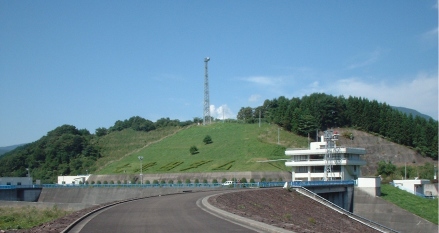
(415, 186)
(16, 181)
(79, 179)
(325, 161)
(370, 185)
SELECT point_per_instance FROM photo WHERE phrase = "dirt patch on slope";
(378, 148)
(288, 210)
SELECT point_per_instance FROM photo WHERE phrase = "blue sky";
(91, 63)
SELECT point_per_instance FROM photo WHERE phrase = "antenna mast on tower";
(206, 112)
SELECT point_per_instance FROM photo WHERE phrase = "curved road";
(171, 213)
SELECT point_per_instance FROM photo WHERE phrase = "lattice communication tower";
(206, 112)
(332, 153)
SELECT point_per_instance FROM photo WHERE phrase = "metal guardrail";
(337, 208)
(183, 185)
(187, 185)
(20, 186)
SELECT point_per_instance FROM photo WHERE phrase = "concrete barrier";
(99, 195)
(209, 176)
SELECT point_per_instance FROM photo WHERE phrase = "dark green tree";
(193, 150)
(102, 131)
(207, 140)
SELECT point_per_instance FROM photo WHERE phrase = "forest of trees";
(67, 150)
(321, 111)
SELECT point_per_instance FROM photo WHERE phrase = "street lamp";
(28, 175)
(141, 175)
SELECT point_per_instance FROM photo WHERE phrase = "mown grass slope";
(424, 208)
(235, 147)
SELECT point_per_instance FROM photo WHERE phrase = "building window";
(8, 183)
(302, 170)
(18, 183)
(318, 169)
(316, 157)
(300, 158)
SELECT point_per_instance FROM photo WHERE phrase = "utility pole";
(206, 112)
(259, 118)
(141, 174)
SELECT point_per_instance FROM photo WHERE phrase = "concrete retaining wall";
(209, 176)
(20, 194)
(390, 215)
(99, 195)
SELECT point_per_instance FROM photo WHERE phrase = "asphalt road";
(171, 213)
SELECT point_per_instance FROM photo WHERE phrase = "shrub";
(179, 181)
(243, 180)
(155, 182)
(99, 182)
(105, 182)
(214, 181)
(193, 150)
(187, 181)
(207, 140)
(252, 180)
(204, 181)
(93, 182)
(263, 179)
(223, 180)
(170, 181)
(197, 181)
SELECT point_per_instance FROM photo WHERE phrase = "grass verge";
(28, 216)
(424, 208)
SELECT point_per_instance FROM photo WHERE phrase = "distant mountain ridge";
(6, 149)
(409, 111)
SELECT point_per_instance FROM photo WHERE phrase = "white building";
(325, 161)
(79, 179)
(415, 186)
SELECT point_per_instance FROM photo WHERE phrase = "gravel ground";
(288, 210)
(277, 207)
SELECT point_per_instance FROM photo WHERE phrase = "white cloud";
(254, 98)
(420, 93)
(263, 80)
(430, 37)
(365, 59)
(222, 112)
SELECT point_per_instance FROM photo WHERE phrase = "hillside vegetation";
(235, 147)
(319, 111)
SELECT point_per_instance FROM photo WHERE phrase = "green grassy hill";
(235, 147)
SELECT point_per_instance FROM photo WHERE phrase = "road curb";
(249, 223)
